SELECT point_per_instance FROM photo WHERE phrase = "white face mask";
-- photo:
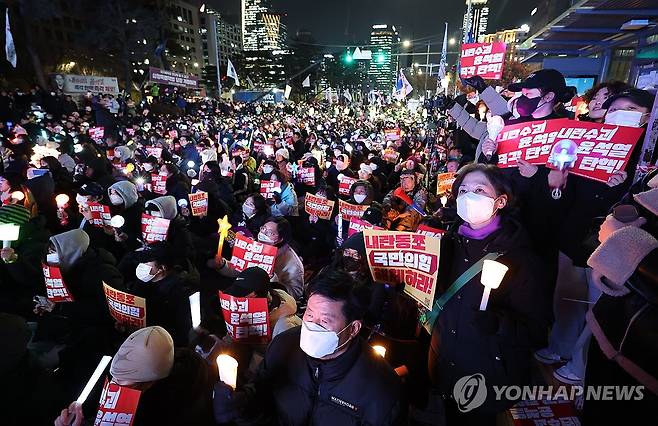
(143, 273)
(268, 169)
(52, 258)
(81, 200)
(373, 166)
(475, 208)
(156, 213)
(318, 342)
(116, 199)
(340, 165)
(264, 238)
(624, 118)
(360, 197)
(248, 210)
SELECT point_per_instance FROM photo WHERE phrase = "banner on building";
(247, 319)
(318, 206)
(72, 84)
(592, 150)
(125, 308)
(248, 253)
(483, 59)
(160, 76)
(402, 257)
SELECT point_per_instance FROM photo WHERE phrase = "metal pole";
(219, 80)
(427, 69)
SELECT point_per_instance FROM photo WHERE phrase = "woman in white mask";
(497, 341)
(253, 214)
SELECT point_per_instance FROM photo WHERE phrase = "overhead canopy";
(591, 26)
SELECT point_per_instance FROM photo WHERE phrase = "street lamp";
(406, 43)
(451, 41)
(525, 28)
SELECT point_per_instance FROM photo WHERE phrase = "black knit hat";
(14, 213)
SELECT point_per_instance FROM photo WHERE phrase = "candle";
(492, 275)
(8, 233)
(62, 200)
(195, 309)
(224, 226)
(340, 226)
(228, 369)
(93, 379)
(444, 200)
(380, 350)
(18, 195)
(117, 221)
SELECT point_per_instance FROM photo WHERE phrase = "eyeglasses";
(267, 232)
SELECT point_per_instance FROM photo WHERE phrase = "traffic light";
(348, 58)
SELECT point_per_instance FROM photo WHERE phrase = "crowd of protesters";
(580, 293)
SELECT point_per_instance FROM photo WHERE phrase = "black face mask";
(526, 106)
(350, 264)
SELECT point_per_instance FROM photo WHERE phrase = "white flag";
(328, 95)
(250, 83)
(347, 95)
(10, 49)
(230, 72)
(307, 81)
(402, 88)
(286, 94)
(444, 55)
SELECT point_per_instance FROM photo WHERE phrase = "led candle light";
(495, 124)
(492, 275)
(195, 309)
(444, 200)
(224, 226)
(62, 201)
(340, 226)
(228, 369)
(8, 233)
(18, 195)
(117, 221)
(380, 350)
(93, 379)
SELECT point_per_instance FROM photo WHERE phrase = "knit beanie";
(14, 213)
(145, 356)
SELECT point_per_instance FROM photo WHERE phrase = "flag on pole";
(230, 72)
(347, 95)
(444, 55)
(10, 49)
(286, 94)
(250, 83)
(307, 81)
(328, 95)
(402, 88)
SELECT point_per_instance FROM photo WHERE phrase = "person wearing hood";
(166, 290)
(178, 235)
(340, 167)
(518, 311)
(125, 201)
(176, 384)
(284, 203)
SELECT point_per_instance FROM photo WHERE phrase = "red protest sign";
(117, 406)
(154, 228)
(551, 412)
(345, 185)
(96, 133)
(158, 183)
(402, 257)
(248, 253)
(130, 131)
(56, 290)
(173, 134)
(247, 319)
(429, 231)
(358, 225)
(154, 151)
(392, 134)
(125, 308)
(267, 187)
(391, 155)
(483, 59)
(199, 203)
(592, 150)
(306, 175)
(351, 211)
(318, 206)
(444, 182)
(100, 214)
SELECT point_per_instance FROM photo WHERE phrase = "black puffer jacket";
(357, 388)
(461, 345)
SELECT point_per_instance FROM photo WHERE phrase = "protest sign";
(306, 175)
(391, 155)
(248, 253)
(56, 290)
(444, 183)
(117, 406)
(267, 187)
(154, 228)
(125, 308)
(318, 206)
(96, 133)
(158, 183)
(345, 185)
(266, 149)
(358, 225)
(592, 150)
(483, 59)
(392, 134)
(173, 134)
(544, 412)
(350, 211)
(199, 203)
(402, 257)
(154, 151)
(429, 231)
(247, 319)
(100, 214)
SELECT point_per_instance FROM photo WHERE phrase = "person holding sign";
(285, 201)
(125, 201)
(253, 215)
(518, 311)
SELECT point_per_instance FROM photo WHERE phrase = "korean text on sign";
(248, 253)
(358, 225)
(483, 59)
(306, 175)
(402, 257)
(56, 290)
(125, 308)
(345, 185)
(318, 206)
(154, 228)
(159, 184)
(117, 406)
(100, 214)
(199, 203)
(247, 319)
(444, 182)
(351, 211)
(267, 187)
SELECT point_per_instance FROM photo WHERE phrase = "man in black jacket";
(321, 373)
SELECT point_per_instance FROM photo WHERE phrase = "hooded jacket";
(127, 190)
(289, 204)
(179, 236)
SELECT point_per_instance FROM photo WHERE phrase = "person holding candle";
(284, 202)
(497, 342)
(125, 201)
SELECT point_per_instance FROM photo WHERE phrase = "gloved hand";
(475, 82)
(449, 102)
(223, 403)
(461, 99)
(276, 196)
(486, 322)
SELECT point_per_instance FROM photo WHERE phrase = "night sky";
(338, 22)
